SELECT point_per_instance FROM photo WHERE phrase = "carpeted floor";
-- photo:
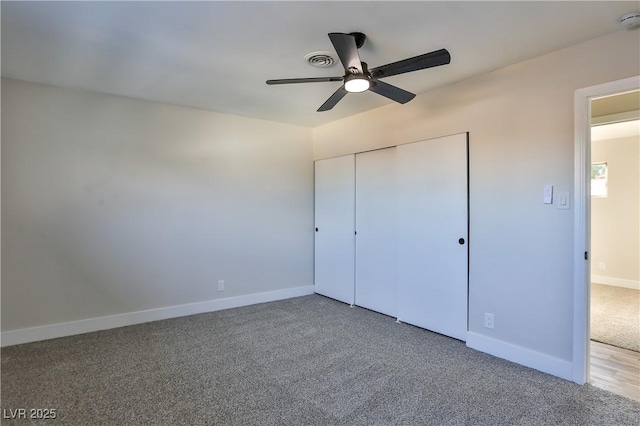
(302, 361)
(615, 316)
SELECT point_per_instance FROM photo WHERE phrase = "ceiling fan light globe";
(356, 85)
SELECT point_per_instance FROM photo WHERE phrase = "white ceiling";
(625, 129)
(217, 55)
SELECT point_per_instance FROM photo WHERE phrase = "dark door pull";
(461, 241)
(316, 229)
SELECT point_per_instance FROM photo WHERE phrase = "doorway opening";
(582, 218)
(615, 243)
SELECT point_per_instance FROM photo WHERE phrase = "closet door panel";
(432, 234)
(335, 228)
(376, 217)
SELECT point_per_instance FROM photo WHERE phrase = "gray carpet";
(302, 361)
(615, 316)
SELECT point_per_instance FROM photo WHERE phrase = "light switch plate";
(548, 194)
(563, 200)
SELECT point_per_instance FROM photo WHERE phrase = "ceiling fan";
(358, 77)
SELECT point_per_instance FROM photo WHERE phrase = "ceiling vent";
(320, 59)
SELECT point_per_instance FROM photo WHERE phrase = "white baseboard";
(520, 355)
(52, 331)
(617, 282)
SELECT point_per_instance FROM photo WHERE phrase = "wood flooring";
(615, 369)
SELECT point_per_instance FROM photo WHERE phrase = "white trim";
(582, 219)
(616, 282)
(52, 331)
(615, 118)
(521, 355)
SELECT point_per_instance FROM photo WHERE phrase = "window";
(599, 180)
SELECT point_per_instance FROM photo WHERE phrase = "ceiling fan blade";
(304, 80)
(333, 99)
(428, 60)
(392, 92)
(347, 50)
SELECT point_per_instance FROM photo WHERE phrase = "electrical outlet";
(488, 320)
(602, 266)
(221, 285)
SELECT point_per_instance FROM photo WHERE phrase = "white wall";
(615, 219)
(112, 205)
(520, 121)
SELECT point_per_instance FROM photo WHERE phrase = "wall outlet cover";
(488, 320)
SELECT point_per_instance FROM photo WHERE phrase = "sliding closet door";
(432, 234)
(376, 217)
(335, 228)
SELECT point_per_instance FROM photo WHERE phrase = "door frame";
(582, 218)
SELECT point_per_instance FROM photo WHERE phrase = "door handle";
(461, 241)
